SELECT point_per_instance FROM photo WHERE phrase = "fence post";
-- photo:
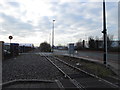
(1, 58)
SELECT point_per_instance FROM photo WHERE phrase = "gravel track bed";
(74, 61)
(64, 67)
(78, 63)
(29, 66)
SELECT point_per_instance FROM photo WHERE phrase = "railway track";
(79, 78)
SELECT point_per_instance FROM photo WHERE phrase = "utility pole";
(104, 34)
(53, 37)
(50, 38)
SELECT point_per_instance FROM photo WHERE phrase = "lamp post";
(50, 38)
(53, 37)
(104, 34)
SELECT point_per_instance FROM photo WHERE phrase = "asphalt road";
(112, 58)
(92, 54)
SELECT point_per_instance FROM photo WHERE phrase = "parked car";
(6, 52)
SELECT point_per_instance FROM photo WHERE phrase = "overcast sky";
(30, 21)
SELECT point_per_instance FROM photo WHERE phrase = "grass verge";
(91, 67)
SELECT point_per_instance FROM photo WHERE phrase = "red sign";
(10, 37)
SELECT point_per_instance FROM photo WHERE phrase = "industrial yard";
(59, 44)
(35, 65)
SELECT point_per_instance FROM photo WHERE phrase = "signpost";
(10, 37)
(71, 49)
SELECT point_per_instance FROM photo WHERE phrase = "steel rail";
(95, 76)
(26, 80)
(77, 84)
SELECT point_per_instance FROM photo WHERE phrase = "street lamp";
(50, 38)
(104, 34)
(53, 37)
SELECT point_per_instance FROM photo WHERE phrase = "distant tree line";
(97, 44)
(93, 43)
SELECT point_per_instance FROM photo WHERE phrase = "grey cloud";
(16, 26)
(45, 24)
(71, 21)
(71, 18)
(119, 20)
(13, 22)
(14, 4)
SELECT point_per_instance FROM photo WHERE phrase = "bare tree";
(79, 44)
(91, 42)
(97, 43)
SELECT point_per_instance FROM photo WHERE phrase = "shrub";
(45, 47)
